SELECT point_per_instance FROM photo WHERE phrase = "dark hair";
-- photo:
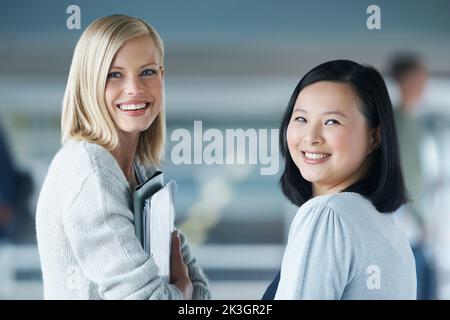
(403, 63)
(384, 185)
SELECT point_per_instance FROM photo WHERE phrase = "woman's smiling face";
(135, 89)
(328, 137)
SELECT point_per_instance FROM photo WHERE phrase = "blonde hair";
(85, 114)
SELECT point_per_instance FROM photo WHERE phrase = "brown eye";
(300, 119)
(332, 121)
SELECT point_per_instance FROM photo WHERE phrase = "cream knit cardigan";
(85, 233)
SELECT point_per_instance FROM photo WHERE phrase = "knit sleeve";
(319, 260)
(100, 229)
(198, 278)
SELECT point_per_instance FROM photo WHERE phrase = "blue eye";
(148, 72)
(332, 121)
(114, 74)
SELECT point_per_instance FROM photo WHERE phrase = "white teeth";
(315, 156)
(126, 107)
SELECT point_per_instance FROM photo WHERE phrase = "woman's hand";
(179, 275)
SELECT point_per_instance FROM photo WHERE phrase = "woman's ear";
(375, 138)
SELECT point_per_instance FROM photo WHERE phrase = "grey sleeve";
(319, 260)
(100, 230)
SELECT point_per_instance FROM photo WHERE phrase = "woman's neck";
(319, 190)
(125, 154)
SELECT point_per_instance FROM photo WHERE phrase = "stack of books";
(154, 216)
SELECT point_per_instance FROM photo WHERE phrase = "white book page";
(162, 218)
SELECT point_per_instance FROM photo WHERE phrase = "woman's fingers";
(177, 267)
(179, 275)
(176, 247)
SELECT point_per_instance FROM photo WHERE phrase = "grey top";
(85, 232)
(341, 247)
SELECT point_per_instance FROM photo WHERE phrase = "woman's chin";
(137, 128)
(312, 178)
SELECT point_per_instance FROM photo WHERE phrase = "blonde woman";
(113, 138)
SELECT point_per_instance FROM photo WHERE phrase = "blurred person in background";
(16, 222)
(411, 75)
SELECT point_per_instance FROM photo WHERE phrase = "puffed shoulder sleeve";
(198, 278)
(319, 260)
(100, 230)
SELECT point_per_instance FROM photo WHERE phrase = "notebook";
(154, 216)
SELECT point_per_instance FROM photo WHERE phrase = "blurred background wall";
(230, 64)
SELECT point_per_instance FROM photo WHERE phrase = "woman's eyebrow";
(297, 109)
(149, 64)
(335, 112)
(145, 65)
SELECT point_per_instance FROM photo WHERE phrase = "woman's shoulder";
(344, 204)
(86, 157)
(70, 156)
(342, 200)
(337, 213)
(325, 215)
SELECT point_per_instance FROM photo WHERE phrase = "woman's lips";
(315, 157)
(134, 109)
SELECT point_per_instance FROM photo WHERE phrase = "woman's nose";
(133, 86)
(313, 136)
